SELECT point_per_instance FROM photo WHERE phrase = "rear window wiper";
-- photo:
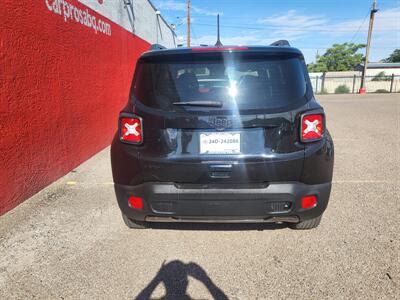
(199, 103)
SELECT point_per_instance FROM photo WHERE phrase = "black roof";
(183, 50)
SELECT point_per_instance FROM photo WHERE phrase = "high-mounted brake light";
(206, 49)
(131, 129)
(312, 127)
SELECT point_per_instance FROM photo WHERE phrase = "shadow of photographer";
(175, 277)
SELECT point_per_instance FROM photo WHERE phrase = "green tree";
(340, 57)
(394, 57)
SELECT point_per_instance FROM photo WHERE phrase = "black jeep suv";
(222, 134)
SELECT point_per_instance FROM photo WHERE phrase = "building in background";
(66, 68)
(377, 68)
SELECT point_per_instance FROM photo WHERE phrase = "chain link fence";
(351, 84)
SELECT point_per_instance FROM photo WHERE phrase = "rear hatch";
(220, 116)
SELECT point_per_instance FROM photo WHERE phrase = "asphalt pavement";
(69, 241)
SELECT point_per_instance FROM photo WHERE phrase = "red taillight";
(136, 202)
(308, 202)
(205, 49)
(312, 127)
(131, 130)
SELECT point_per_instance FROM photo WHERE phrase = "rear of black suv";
(222, 135)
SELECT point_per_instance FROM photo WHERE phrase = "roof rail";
(157, 47)
(281, 43)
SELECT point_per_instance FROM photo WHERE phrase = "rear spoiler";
(281, 43)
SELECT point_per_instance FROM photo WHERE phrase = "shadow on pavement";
(218, 226)
(175, 277)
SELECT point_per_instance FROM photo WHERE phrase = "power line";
(193, 31)
(252, 18)
(288, 28)
(362, 24)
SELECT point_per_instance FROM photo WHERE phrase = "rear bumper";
(272, 202)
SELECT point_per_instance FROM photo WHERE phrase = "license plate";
(220, 143)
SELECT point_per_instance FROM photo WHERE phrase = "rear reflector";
(308, 201)
(205, 49)
(136, 202)
(131, 130)
(312, 127)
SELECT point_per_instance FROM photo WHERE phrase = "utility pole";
(371, 25)
(188, 24)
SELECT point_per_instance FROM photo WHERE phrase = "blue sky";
(310, 25)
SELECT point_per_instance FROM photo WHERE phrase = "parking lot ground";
(69, 241)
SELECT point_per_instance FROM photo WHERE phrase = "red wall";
(61, 87)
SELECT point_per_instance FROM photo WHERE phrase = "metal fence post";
(354, 83)
(316, 84)
(391, 83)
(323, 83)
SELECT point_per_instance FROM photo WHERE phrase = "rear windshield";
(238, 82)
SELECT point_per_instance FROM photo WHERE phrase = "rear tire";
(133, 224)
(307, 224)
